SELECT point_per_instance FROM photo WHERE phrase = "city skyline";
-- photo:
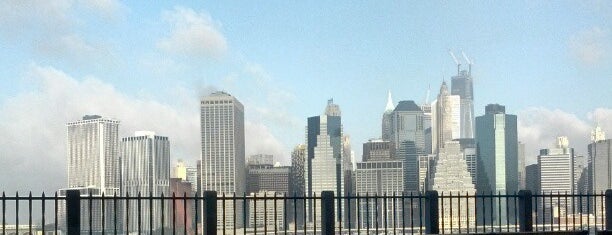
(543, 61)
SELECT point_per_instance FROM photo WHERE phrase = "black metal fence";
(212, 213)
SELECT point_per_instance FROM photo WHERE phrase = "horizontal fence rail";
(273, 213)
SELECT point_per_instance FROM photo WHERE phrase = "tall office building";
(386, 119)
(446, 118)
(378, 150)
(451, 176)
(497, 140)
(223, 161)
(427, 119)
(263, 175)
(184, 211)
(521, 165)
(599, 162)
(408, 137)
(469, 151)
(323, 168)
(93, 165)
(297, 186)
(146, 170)
(557, 175)
(380, 177)
(461, 85)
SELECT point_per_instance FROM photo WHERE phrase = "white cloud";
(538, 127)
(193, 34)
(591, 47)
(33, 126)
(259, 139)
(73, 48)
(19, 18)
(109, 9)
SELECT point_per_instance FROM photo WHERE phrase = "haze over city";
(550, 63)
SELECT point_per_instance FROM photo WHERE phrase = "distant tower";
(93, 167)
(599, 162)
(146, 163)
(93, 153)
(408, 137)
(386, 119)
(323, 168)
(446, 121)
(557, 171)
(462, 85)
(223, 160)
(497, 140)
(451, 175)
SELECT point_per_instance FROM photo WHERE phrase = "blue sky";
(147, 64)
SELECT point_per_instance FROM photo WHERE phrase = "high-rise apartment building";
(93, 166)
(461, 85)
(497, 140)
(223, 160)
(146, 171)
(408, 136)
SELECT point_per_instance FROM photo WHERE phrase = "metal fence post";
(609, 209)
(210, 213)
(525, 211)
(431, 213)
(73, 212)
(327, 212)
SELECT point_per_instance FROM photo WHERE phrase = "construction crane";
(455, 59)
(469, 63)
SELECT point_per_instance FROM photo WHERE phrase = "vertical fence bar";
(525, 215)
(103, 214)
(327, 213)
(17, 212)
(115, 213)
(431, 212)
(29, 213)
(43, 212)
(608, 203)
(55, 201)
(73, 212)
(210, 213)
(4, 213)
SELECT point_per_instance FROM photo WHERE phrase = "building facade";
(497, 140)
(462, 86)
(146, 172)
(379, 178)
(323, 169)
(223, 156)
(94, 167)
(409, 140)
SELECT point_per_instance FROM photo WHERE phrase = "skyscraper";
(264, 176)
(451, 175)
(93, 153)
(496, 136)
(146, 170)
(408, 137)
(461, 85)
(557, 175)
(93, 166)
(599, 162)
(223, 161)
(297, 186)
(378, 150)
(323, 168)
(386, 119)
(446, 118)
(379, 177)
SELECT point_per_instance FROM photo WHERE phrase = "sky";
(148, 65)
